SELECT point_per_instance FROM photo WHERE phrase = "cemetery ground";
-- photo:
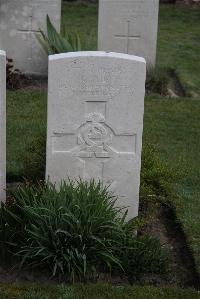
(171, 126)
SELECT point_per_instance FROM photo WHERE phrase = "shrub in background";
(14, 77)
(75, 232)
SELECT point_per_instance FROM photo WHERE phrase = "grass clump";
(157, 80)
(164, 81)
(75, 232)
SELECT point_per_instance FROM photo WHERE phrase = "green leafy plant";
(75, 232)
(54, 42)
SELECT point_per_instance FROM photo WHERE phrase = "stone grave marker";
(20, 21)
(95, 121)
(2, 126)
(129, 26)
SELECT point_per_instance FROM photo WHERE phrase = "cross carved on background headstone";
(127, 37)
(29, 31)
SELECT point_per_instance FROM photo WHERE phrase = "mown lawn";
(99, 291)
(179, 44)
(84, 20)
(26, 119)
(178, 37)
(171, 125)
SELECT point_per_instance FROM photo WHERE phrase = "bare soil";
(164, 226)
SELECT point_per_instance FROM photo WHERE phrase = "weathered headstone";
(129, 26)
(95, 121)
(20, 21)
(2, 125)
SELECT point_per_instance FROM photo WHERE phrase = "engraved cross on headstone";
(30, 31)
(94, 144)
(127, 37)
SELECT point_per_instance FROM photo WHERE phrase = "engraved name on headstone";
(95, 121)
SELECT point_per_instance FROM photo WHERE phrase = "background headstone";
(2, 126)
(129, 26)
(95, 121)
(20, 21)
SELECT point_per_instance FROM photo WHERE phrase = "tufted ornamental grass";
(75, 232)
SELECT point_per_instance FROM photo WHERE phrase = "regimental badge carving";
(95, 137)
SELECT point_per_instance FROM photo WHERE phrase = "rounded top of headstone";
(96, 54)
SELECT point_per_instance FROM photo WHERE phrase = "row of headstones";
(95, 121)
(125, 26)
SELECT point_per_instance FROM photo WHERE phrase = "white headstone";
(129, 26)
(20, 21)
(95, 121)
(2, 126)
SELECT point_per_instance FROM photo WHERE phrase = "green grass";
(83, 19)
(98, 291)
(179, 43)
(178, 37)
(26, 119)
(171, 125)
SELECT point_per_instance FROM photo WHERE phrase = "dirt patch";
(28, 84)
(182, 252)
(31, 84)
(176, 84)
(11, 275)
(164, 226)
